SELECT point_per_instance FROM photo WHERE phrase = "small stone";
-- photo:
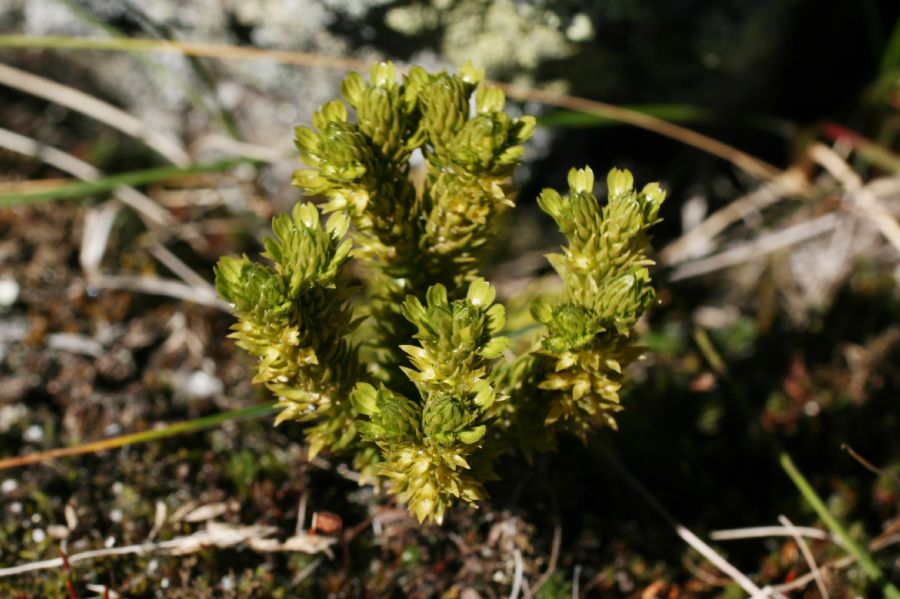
(9, 292)
(581, 28)
(34, 434)
(11, 415)
(201, 384)
(8, 486)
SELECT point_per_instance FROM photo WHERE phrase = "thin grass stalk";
(105, 184)
(173, 430)
(855, 549)
(746, 162)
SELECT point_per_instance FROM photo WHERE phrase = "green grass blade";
(173, 430)
(105, 184)
(862, 556)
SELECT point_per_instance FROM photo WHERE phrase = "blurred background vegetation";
(777, 331)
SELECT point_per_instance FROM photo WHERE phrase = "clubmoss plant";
(406, 370)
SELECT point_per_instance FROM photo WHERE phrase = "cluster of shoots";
(402, 365)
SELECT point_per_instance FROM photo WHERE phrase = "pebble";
(34, 434)
(9, 292)
(8, 486)
(201, 384)
(11, 415)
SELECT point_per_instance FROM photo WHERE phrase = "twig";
(88, 105)
(694, 242)
(868, 465)
(761, 246)
(866, 203)
(807, 555)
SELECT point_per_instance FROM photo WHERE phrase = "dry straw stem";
(863, 199)
(216, 534)
(759, 532)
(807, 555)
(747, 163)
(762, 246)
(98, 109)
(750, 164)
(141, 203)
(150, 285)
(551, 566)
(839, 564)
(199, 49)
(196, 288)
(517, 575)
(697, 240)
(869, 465)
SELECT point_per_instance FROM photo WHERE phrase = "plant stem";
(130, 178)
(865, 560)
(179, 428)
